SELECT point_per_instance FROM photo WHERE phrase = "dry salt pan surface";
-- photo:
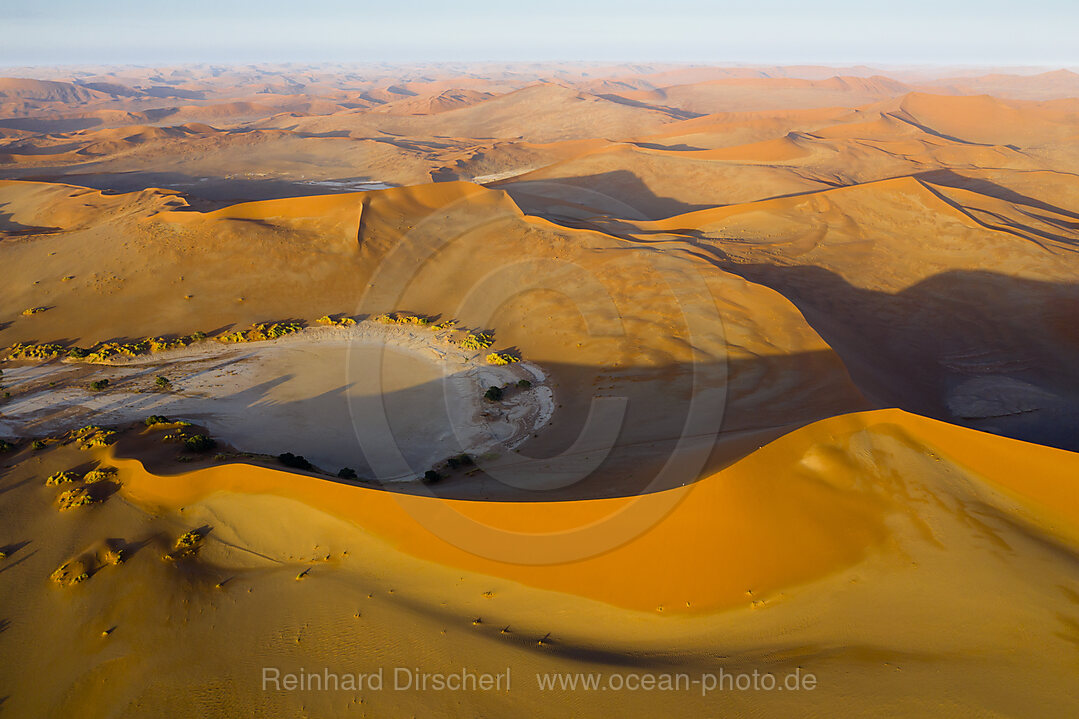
(388, 401)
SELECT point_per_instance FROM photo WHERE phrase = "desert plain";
(632, 372)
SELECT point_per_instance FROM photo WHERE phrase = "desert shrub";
(38, 444)
(92, 436)
(338, 322)
(347, 473)
(461, 460)
(476, 341)
(62, 477)
(186, 545)
(431, 476)
(69, 573)
(524, 384)
(113, 555)
(493, 394)
(199, 443)
(188, 540)
(6, 446)
(77, 497)
(502, 358)
(34, 310)
(39, 352)
(99, 384)
(78, 353)
(262, 331)
(402, 319)
(162, 382)
(295, 461)
(101, 474)
(445, 325)
(156, 419)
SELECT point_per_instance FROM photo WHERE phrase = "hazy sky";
(1001, 32)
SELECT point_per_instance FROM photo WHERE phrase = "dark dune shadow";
(914, 349)
(618, 193)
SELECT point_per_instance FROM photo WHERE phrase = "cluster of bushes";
(186, 545)
(460, 460)
(45, 351)
(493, 394)
(502, 358)
(262, 331)
(338, 322)
(101, 474)
(155, 419)
(69, 573)
(99, 384)
(199, 443)
(347, 473)
(476, 341)
(403, 319)
(92, 436)
(77, 497)
(34, 310)
(62, 477)
(295, 461)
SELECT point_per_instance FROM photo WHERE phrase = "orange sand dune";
(796, 510)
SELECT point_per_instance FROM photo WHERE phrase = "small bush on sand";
(162, 382)
(293, 460)
(156, 419)
(34, 310)
(431, 476)
(476, 341)
(186, 545)
(78, 353)
(199, 443)
(502, 358)
(461, 460)
(6, 446)
(101, 474)
(493, 394)
(77, 497)
(262, 331)
(99, 384)
(63, 477)
(336, 322)
(38, 444)
(91, 436)
(347, 473)
(70, 573)
(524, 384)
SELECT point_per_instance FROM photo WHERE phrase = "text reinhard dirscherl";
(469, 680)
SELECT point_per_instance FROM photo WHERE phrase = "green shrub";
(294, 460)
(162, 382)
(199, 443)
(99, 384)
(493, 394)
(34, 310)
(347, 473)
(461, 460)
(78, 353)
(156, 419)
(6, 446)
(524, 384)
(431, 476)
(38, 444)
